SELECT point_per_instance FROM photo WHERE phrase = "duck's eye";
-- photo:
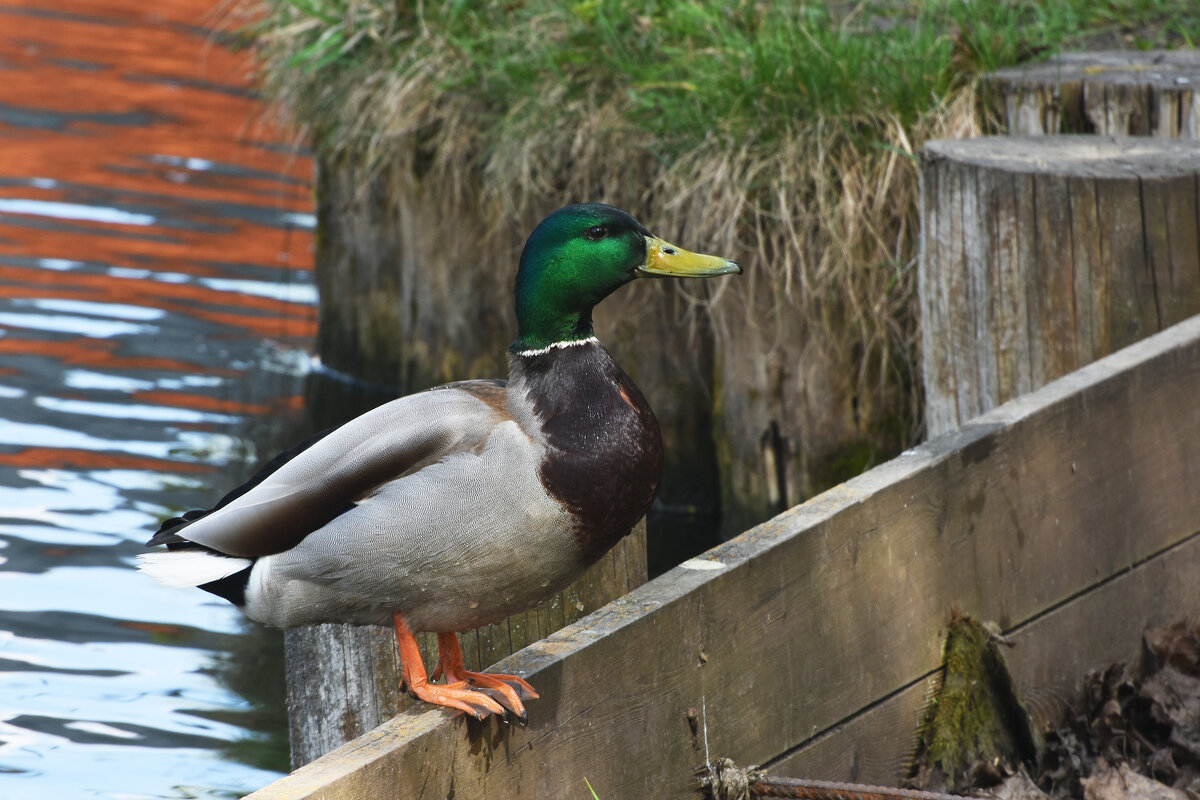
(596, 232)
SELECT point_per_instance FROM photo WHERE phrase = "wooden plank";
(1157, 243)
(1024, 264)
(802, 622)
(1085, 255)
(1128, 109)
(1069, 114)
(976, 190)
(1004, 321)
(1030, 112)
(958, 285)
(1127, 284)
(1102, 625)
(874, 747)
(1095, 107)
(1166, 108)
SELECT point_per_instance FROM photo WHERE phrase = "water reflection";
(155, 313)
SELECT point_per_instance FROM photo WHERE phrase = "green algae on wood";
(976, 724)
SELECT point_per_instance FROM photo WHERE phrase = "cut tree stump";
(1117, 93)
(1042, 254)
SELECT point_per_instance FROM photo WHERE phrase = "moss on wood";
(976, 729)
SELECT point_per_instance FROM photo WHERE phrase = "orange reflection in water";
(67, 458)
(95, 116)
(85, 351)
(135, 159)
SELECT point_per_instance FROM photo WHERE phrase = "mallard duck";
(460, 505)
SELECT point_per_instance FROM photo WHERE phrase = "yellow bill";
(667, 260)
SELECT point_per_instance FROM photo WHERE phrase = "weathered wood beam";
(801, 625)
(1051, 654)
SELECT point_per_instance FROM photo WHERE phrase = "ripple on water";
(156, 309)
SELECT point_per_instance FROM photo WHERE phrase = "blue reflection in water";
(110, 685)
(42, 208)
(110, 682)
(98, 329)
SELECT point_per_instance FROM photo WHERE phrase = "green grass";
(686, 71)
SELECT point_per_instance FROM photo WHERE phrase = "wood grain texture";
(1120, 93)
(342, 681)
(1050, 656)
(1040, 255)
(836, 607)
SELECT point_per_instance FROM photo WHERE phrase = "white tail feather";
(189, 567)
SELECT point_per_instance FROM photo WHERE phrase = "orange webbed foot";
(456, 694)
(509, 690)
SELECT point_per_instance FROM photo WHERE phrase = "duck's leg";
(508, 689)
(454, 694)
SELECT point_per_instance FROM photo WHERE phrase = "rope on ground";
(724, 780)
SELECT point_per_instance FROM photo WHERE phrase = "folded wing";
(326, 478)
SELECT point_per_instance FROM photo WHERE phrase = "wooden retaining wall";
(1070, 516)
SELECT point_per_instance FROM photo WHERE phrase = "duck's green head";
(577, 256)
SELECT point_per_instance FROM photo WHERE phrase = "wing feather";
(317, 484)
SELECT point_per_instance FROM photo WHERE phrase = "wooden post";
(1119, 93)
(1040, 255)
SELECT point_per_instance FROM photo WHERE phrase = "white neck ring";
(558, 346)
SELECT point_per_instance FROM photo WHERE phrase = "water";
(156, 311)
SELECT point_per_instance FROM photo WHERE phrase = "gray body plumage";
(446, 560)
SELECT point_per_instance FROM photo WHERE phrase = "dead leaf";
(1122, 783)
